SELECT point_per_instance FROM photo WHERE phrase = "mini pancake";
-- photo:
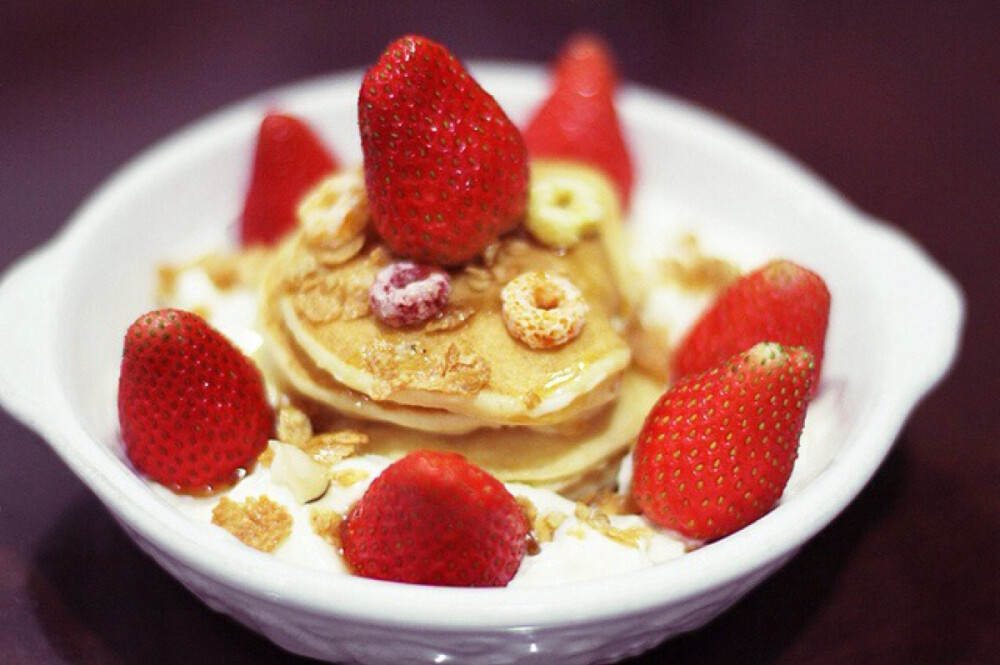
(559, 418)
(464, 362)
(519, 454)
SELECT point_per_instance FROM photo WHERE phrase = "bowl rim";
(769, 541)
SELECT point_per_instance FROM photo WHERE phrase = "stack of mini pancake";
(558, 417)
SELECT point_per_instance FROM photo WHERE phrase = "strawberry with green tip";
(717, 449)
(192, 410)
(446, 171)
(434, 518)
(579, 119)
(779, 302)
(288, 160)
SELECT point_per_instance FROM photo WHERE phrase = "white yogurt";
(577, 550)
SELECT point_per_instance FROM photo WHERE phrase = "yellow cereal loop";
(543, 310)
(566, 202)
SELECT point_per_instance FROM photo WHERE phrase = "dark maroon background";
(895, 103)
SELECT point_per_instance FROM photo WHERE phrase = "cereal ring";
(542, 310)
(335, 211)
(567, 202)
(561, 211)
(406, 293)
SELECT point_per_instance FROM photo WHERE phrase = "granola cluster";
(302, 460)
(408, 364)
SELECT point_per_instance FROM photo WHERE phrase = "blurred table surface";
(896, 104)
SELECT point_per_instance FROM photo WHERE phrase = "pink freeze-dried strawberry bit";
(406, 293)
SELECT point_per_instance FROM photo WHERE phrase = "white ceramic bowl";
(893, 334)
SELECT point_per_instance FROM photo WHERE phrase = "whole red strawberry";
(289, 159)
(779, 302)
(579, 120)
(716, 450)
(434, 518)
(191, 407)
(445, 170)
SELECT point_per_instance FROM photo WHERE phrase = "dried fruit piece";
(406, 293)
(543, 310)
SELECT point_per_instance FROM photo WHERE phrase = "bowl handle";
(928, 303)
(28, 295)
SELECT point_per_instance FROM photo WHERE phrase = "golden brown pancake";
(460, 381)
(465, 362)
(520, 454)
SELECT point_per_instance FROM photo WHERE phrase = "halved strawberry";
(192, 410)
(434, 518)
(717, 449)
(445, 170)
(779, 302)
(579, 119)
(289, 159)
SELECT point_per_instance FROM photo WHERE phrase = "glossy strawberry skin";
(192, 410)
(288, 160)
(779, 302)
(434, 518)
(717, 449)
(446, 171)
(579, 119)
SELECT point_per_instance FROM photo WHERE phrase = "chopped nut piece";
(490, 253)
(347, 477)
(651, 350)
(547, 525)
(542, 527)
(478, 278)
(226, 270)
(379, 257)
(201, 310)
(322, 297)
(610, 502)
(326, 524)
(293, 426)
(329, 258)
(335, 211)
(299, 472)
(632, 536)
(166, 281)
(528, 508)
(222, 269)
(530, 399)
(267, 455)
(331, 447)
(258, 522)
(530, 512)
(295, 273)
(316, 305)
(452, 318)
(695, 271)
